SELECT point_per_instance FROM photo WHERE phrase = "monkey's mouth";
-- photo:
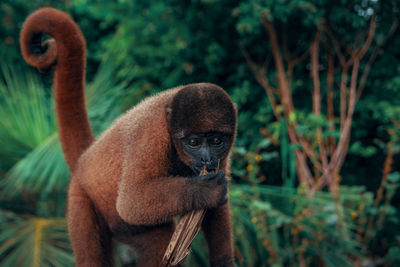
(197, 169)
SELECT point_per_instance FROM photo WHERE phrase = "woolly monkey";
(144, 170)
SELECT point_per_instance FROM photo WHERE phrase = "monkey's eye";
(193, 142)
(217, 141)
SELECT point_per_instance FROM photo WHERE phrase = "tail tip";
(42, 55)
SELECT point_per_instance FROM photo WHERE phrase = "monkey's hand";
(158, 200)
(209, 190)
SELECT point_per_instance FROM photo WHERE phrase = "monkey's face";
(205, 149)
(202, 123)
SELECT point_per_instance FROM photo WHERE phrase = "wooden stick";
(186, 230)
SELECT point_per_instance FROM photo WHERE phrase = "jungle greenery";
(288, 207)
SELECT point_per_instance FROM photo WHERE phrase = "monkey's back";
(138, 137)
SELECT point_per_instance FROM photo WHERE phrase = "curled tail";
(67, 53)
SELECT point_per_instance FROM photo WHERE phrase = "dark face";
(205, 149)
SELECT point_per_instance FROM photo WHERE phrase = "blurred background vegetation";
(317, 83)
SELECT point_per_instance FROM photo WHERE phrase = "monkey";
(132, 182)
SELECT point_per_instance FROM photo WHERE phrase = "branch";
(343, 81)
(329, 100)
(357, 41)
(260, 76)
(305, 176)
(387, 168)
(310, 153)
(373, 56)
(253, 66)
(286, 97)
(314, 50)
(341, 149)
(293, 62)
(335, 45)
(343, 97)
(299, 59)
(371, 33)
(286, 52)
(267, 134)
(365, 73)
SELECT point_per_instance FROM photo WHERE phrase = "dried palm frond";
(185, 231)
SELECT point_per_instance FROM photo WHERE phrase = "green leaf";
(394, 177)
(35, 242)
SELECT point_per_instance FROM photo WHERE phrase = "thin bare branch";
(314, 52)
(387, 168)
(299, 59)
(305, 175)
(341, 149)
(365, 73)
(343, 97)
(253, 66)
(329, 101)
(270, 136)
(371, 33)
(262, 79)
(286, 52)
(358, 40)
(310, 153)
(353, 86)
(286, 97)
(336, 45)
(314, 63)
(293, 62)
(373, 56)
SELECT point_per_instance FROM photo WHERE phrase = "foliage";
(33, 241)
(292, 230)
(136, 48)
(40, 155)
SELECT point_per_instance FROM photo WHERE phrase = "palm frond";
(103, 95)
(27, 114)
(42, 168)
(35, 241)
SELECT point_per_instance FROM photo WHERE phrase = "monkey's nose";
(206, 162)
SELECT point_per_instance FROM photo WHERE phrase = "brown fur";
(68, 52)
(132, 181)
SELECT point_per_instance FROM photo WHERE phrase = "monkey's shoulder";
(139, 137)
(143, 128)
(147, 116)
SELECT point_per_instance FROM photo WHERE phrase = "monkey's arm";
(217, 230)
(157, 200)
